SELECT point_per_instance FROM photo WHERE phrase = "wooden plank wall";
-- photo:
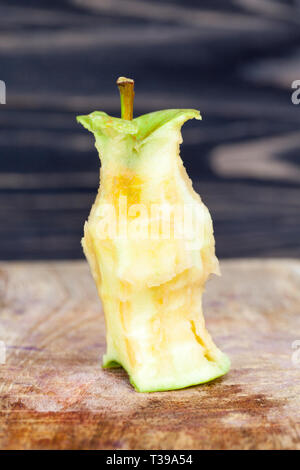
(233, 60)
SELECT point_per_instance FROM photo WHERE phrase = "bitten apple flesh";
(151, 289)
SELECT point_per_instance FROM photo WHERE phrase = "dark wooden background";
(233, 60)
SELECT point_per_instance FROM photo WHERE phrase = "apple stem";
(126, 88)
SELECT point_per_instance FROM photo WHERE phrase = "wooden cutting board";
(54, 394)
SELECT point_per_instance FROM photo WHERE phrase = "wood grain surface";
(54, 394)
(235, 60)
